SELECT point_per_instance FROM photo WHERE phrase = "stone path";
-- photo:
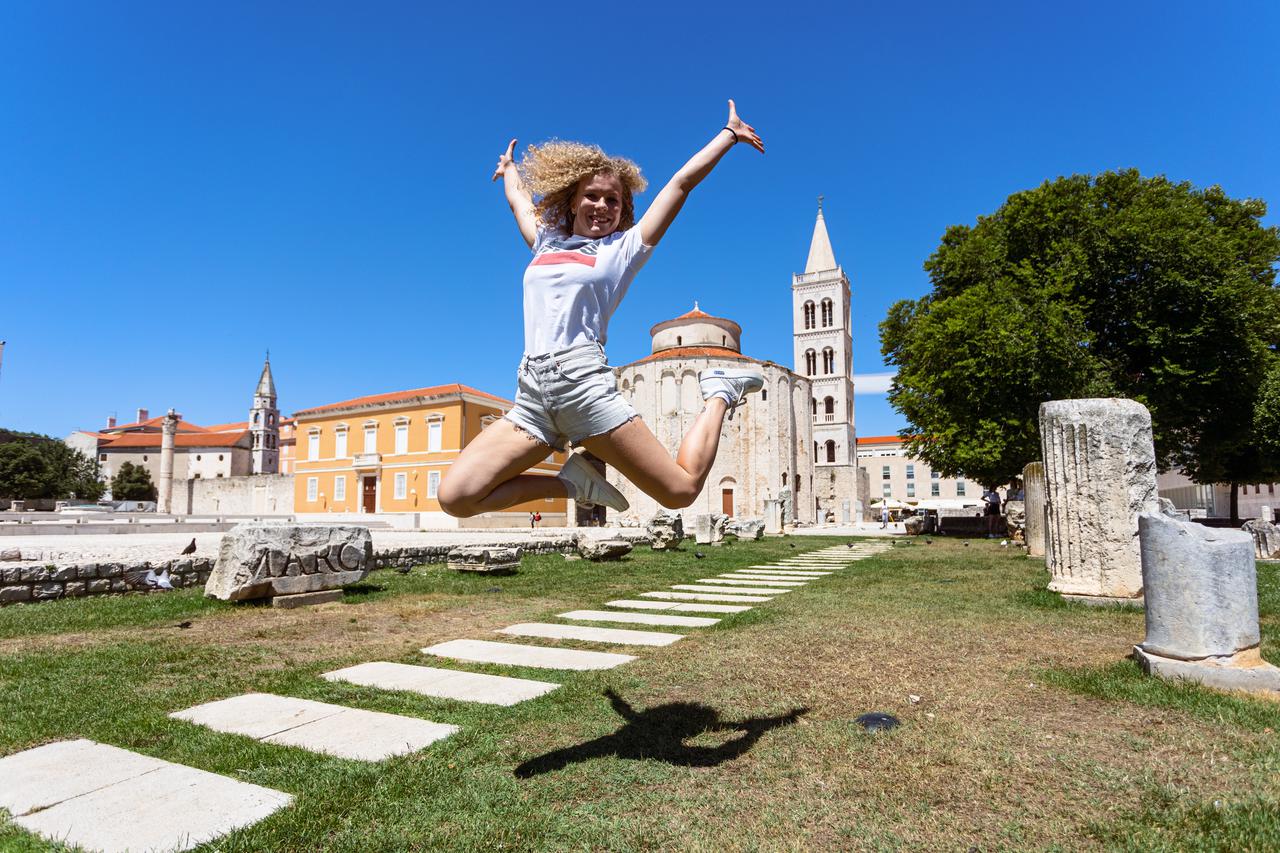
(318, 726)
(695, 596)
(109, 799)
(443, 683)
(680, 606)
(620, 636)
(542, 657)
(639, 618)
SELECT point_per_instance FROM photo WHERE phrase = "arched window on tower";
(808, 315)
(829, 405)
(831, 451)
(815, 405)
(784, 478)
(827, 314)
(828, 360)
(810, 362)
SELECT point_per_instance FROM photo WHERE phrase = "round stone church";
(764, 447)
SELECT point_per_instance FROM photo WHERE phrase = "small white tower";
(264, 424)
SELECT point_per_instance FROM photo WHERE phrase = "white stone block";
(443, 683)
(704, 596)
(677, 606)
(513, 654)
(639, 618)
(730, 580)
(107, 799)
(730, 590)
(592, 634)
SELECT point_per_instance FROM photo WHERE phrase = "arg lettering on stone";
(266, 560)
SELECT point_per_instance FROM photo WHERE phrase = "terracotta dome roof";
(697, 314)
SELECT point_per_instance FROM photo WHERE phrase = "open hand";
(745, 132)
(506, 158)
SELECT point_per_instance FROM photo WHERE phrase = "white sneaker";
(730, 384)
(587, 487)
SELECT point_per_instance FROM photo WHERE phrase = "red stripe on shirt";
(563, 258)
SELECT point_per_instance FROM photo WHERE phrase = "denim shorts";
(568, 395)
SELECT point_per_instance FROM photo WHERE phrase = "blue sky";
(183, 186)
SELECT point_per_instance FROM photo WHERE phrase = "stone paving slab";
(443, 683)
(317, 726)
(678, 606)
(590, 633)
(514, 654)
(639, 618)
(779, 580)
(793, 573)
(790, 567)
(731, 590)
(108, 799)
(697, 596)
(735, 580)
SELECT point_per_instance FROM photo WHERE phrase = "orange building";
(387, 453)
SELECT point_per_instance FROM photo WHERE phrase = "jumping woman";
(587, 247)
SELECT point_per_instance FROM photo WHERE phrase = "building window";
(884, 472)
(831, 451)
(197, 457)
(402, 438)
(313, 444)
(886, 489)
(679, 340)
(371, 439)
(102, 458)
(911, 472)
(220, 457)
(911, 488)
(339, 488)
(828, 360)
(959, 488)
(313, 487)
(784, 478)
(435, 433)
(935, 488)
(340, 444)
(829, 405)
(826, 313)
(808, 315)
(144, 459)
(402, 482)
(433, 483)
(810, 362)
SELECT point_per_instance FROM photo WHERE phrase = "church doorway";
(726, 502)
(369, 494)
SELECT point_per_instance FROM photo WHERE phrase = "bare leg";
(638, 456)
(488, 476)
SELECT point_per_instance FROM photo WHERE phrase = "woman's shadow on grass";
(660, 733)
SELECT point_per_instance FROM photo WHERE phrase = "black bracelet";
(735, 136)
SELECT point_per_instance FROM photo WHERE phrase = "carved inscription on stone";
(264, 560)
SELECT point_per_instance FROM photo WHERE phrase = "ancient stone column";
(1201, 592)
(169, 429)
(1033, 496)
(1100, 473)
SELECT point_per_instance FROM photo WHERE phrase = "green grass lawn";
(1025, 726)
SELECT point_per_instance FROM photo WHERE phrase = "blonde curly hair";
(552, 171)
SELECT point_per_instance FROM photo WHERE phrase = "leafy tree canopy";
(38, 466)
(132, 483)
(1114, 285)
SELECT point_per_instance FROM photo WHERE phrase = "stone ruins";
(1100, 473)
(1201, 606)
(1033, 506)
(269, 560)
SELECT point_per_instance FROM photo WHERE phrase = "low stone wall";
(42, 583)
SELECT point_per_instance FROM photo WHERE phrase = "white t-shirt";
(574, 284)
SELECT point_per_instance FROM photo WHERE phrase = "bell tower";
(264, 424)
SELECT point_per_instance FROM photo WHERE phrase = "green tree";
(1115, 285)
(132, 483)
(73, 473)
(24, 472)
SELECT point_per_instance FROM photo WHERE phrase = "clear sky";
(184, 185)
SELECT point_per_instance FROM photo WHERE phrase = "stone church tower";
(264, 424)
(823, 344)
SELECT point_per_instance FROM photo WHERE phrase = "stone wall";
(42, 583)
(262, 494)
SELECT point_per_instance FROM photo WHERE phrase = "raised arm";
(663, 211)
(518, 196)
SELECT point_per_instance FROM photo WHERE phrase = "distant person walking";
(884, 516)
(992, 500)
(587, 247)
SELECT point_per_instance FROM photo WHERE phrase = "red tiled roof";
(152, 439)
(696, 352)
(880, 439)
(397, 396)
(183, 426)
(237, 426)
(694, 314)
